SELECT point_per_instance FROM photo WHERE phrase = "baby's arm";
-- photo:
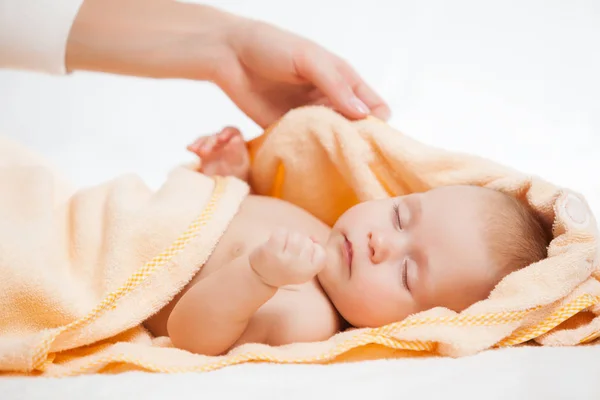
(212, 315)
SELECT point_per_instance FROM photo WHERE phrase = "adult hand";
(265, 71)
(270, 71)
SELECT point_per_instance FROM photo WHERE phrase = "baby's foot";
(223, 154)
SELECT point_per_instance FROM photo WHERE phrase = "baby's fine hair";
(515, 236)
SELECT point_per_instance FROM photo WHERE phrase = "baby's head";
(448, 247)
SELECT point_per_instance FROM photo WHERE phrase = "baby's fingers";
(234, 151)
(296, 243)
(318, 257)
(278, 240)
(195, 146)
(227, 134)
(307, 251)
(204, 146)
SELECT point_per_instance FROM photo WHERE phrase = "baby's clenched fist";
(287, 258)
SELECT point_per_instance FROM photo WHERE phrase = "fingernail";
(359, 105)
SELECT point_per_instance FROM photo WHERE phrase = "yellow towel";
(324, 163)
(81, 271)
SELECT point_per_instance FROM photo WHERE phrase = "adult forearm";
(212, 315)
(153, 38)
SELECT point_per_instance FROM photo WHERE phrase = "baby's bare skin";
(382, 261)
(297, 313)
(300, 306)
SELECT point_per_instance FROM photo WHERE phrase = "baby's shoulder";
(272, 212)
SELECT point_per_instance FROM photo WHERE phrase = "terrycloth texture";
(80, 270)
(76, 272)
(322, 162)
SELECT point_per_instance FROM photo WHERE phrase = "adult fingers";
(364, 92)
(320, 69)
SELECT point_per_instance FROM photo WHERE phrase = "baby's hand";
(223, 154)
(287, 259)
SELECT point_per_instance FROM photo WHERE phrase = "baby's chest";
(252, 226)
(295, 314)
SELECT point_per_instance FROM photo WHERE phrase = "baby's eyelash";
(405, 275)
(396, 208)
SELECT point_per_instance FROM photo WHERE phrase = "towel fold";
(82, 269)
(316, 159)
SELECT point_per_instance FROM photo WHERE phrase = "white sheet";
(525, 373)
(515, 81)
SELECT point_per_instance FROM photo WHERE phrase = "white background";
(515, 81)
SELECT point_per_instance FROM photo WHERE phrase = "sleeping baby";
(279, 275)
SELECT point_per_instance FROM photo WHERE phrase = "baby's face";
(388, 259)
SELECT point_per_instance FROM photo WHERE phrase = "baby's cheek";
(376, 296)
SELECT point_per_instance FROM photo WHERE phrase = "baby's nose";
(378, 246)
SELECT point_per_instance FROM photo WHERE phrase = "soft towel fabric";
(320, 161)
(81, 271)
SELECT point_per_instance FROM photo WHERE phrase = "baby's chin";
(362, 320)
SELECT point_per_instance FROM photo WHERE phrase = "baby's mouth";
(348, 253)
